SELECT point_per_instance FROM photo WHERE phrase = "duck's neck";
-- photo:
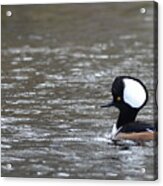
(126, 116)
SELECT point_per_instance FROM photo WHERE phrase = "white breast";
(134, 93)
(114, 132)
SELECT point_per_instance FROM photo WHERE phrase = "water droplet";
(143, 170)
(39, 173)
(9, 166)
(8, 13)
(142, 10)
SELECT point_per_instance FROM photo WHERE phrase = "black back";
(137, 126)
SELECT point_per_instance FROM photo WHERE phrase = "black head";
(128, 93)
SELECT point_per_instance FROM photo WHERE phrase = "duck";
(130, 95)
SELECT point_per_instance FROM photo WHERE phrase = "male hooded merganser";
(129, 96)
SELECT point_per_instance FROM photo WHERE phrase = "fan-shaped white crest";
(134, 93)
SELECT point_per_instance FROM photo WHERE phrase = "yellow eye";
(118, 98)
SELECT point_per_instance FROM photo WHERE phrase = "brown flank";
(142, 136)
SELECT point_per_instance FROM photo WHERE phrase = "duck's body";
(135, 131)
(129, 96)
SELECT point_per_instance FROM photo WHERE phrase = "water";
(58, 64)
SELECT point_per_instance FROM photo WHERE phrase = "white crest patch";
(134, 93)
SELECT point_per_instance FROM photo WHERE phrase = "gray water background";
(58, 64)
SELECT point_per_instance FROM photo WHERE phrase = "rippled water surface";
(58, 64)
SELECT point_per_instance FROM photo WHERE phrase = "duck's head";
(128, 94)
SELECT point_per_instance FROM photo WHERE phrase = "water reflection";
(57, 69)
